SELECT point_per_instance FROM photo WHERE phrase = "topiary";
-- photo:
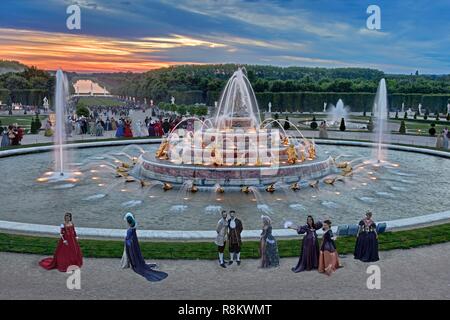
(437, 116)
(432, 130)
(402, 129)
(425, 117)
(396, 114)
(405, 116)
(415, 116)
(342, 126)
(82, 111)
(313, 124)
(364, 113)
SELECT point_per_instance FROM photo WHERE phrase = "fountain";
(336, 113)
(379, 112)
(234, 148)
(61, 171)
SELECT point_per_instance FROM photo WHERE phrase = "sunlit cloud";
(88, 53)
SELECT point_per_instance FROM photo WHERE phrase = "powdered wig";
(266, 220)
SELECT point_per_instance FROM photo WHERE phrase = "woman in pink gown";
(68, 252)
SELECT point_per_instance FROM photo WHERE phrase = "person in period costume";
(108, 124)
(323, 130)
(328, 259)
(48, 129)
(221, 238)
(113, 124)
(440, 141)
(446, 138)
(234, 238)
(6, 141)
(99, 129)
(366, 247)
(68, 252)
(120, 129)
(132, 256)
(151, 128)
(127, 133)
(268, 245)
(309, 254)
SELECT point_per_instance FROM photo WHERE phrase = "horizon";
(139, 36)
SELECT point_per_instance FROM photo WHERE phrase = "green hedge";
(313, 101)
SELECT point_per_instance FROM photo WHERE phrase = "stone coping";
(201, 235)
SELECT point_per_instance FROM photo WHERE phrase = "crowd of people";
(11, 135)
(321, 256)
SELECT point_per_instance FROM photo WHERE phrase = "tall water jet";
(61, 94)
(238, 105)
(337, 112)
(380, 109)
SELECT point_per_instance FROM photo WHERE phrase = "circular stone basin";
(409, 185)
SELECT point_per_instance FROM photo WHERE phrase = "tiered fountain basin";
(210, 175)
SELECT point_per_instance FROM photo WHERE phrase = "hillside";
(11, 66)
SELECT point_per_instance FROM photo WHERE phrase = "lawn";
(99, 101)
(207, 250)
(21, 120)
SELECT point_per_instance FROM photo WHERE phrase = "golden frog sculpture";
(292, 154)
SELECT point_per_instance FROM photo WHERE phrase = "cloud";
(262, 14)
(50, 50)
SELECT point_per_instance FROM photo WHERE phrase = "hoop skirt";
(65, 254)
(309, 254)
(366, 247)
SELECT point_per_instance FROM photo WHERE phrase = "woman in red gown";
(127, 131)
(68, 252)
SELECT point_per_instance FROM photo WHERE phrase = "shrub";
(342, 126)
(437, 116)
(396, 114)
(82, 111)
(35, 125)
(364, 113)
(432, 130)
(405, 116)
(415, 115)
(402, 129)
(425, 117)
(313, 124)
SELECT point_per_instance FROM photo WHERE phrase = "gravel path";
(421, 273)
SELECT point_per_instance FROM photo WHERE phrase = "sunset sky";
(137, 35)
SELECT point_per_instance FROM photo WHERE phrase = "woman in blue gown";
(309, 254)
(120, 129)
(366, 247)
(132, 255)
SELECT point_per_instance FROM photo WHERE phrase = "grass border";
(405, 239)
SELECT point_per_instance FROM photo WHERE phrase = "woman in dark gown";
(68, 252)
(328, 259)
(309, 254)
(132, 255)
(366, 247)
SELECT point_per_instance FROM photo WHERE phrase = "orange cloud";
(85, 53)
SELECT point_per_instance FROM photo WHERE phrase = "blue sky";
(139, 35)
